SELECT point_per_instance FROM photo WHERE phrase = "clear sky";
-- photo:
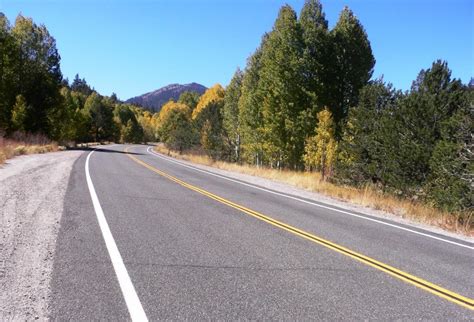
(132, 47)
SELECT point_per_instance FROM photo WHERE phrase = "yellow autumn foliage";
(170, 106)
(320, 150)
(215, 94)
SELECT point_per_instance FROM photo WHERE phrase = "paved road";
(195, 246)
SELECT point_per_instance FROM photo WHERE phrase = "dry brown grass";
(20, 143)
(368, 197)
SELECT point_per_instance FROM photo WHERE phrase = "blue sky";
(132, 47)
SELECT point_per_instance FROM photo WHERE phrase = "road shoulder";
(32, 190)
(284, 188)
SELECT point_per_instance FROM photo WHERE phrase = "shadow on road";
(101, 150)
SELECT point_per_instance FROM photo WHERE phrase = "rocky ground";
(32, 190)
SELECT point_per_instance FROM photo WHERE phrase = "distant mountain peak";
(154, 100)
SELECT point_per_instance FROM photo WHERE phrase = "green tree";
(101, 116)
(38, 74)
(132, 132)
(317, 54)
(208, 117)
(320, 150)
(145, 119)
(451, 180)
(126, 119)
(19, 113)
(123, 113)
(175, 126)
(434, 98)
(284, 102)
(81, 86)
(62, 127)
(230, 113)
(8, 69)
(366, 145)
(189, 98)
(352, 64)
(250, 110)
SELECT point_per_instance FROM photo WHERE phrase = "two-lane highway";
(173, 242)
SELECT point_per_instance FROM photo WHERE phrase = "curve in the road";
(404, 276)
(128, 290)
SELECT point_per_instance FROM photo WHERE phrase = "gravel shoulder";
(32, 190)
(292, 190)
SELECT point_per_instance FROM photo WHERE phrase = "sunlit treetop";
(172, 106)
(215, 94)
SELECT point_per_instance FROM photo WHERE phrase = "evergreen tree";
(368, 135)
(434, 98)
(230, 113)
(352, 64)
(451, 180)
(81, 86)
(114, 98)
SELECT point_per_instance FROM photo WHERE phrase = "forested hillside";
(305, 101)
(153, 101)
(36, 99)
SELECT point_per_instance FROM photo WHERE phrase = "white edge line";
(128, 291)
(149, 150)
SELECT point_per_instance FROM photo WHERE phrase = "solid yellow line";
(404, 276)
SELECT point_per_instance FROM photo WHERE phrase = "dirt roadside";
(32, 189)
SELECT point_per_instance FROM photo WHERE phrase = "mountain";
(154, 100)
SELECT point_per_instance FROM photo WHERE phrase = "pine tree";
(81, 86)
(351, 66)
(451, 180)
(320, 150)
(434, 98)
(368, 136)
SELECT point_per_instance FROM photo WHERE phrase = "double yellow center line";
(416, 281)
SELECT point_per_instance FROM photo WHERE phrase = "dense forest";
(35, 98)
(306, 101)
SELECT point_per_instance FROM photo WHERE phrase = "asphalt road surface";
(143, 236)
